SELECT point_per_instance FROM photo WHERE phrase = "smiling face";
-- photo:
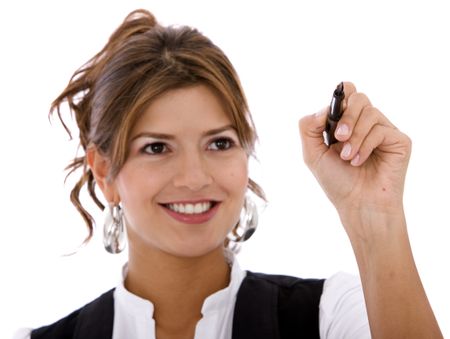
(183, 185)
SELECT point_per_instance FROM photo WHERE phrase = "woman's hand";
(365, 170)
(363, 175)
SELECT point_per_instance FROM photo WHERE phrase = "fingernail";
(342, 130)
(321, 112)
(346, 150)
(355, 160)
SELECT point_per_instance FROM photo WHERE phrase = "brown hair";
(142, 60)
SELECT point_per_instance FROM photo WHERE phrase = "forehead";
(188, 108)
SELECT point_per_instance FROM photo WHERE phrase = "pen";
(334, 114)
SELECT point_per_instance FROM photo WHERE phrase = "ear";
(100, 167)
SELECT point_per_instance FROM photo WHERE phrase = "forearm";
(396, 302)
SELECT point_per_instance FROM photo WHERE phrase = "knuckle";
(349, 87)
(407, 140)
(357, 138)
(379, 130)
(358, 97)
(303, 124)
(371, 112)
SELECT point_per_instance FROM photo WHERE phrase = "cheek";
(234, 175)
(138, 182)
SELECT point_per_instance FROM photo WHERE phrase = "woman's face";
(182, 187)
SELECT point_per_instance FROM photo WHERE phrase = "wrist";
(371, 226)
(380, 242)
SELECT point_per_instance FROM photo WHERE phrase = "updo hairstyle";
(141, 61)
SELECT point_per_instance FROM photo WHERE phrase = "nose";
(192, 172)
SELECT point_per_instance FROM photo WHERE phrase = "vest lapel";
(96, 320)
(255, 312)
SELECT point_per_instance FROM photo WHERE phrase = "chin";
(195, 250)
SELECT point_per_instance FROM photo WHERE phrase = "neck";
(177, 286)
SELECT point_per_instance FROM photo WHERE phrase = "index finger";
(349, 89)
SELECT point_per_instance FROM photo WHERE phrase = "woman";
(167, 135)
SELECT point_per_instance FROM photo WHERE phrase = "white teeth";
(190, 208)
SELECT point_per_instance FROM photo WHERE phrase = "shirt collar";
(217, 301)
(223, 298)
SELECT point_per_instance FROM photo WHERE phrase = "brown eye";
(155, 148)
(221, 144)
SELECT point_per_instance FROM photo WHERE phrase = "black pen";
(334, 114)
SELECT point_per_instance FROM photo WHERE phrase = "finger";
(361, 100)
(369, 117)
(356, 102)
(311, 129)
(385, 139)
(349, 89)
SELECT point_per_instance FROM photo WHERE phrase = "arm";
(365, 183)
(397, 305)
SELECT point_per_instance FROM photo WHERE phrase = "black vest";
(267, 307)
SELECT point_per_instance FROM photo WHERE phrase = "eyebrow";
(171, 137)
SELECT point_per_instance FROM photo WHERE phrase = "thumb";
(311, 133)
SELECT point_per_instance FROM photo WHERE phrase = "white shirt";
(342, 312)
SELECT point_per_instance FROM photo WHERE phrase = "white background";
(290, 56)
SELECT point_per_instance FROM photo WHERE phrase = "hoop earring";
(247, 224)
(113, 230)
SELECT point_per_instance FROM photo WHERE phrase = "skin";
(168, 261)
(173, 264)
(365, 183)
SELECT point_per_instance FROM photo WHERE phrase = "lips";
(192, 212)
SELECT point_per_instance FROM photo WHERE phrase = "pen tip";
(339, 89)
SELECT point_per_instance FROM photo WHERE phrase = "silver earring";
(248, 222)
(114, 230)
